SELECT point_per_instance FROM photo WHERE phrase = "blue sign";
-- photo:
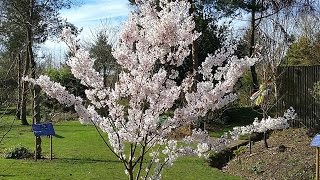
(315, 141)
(43, 129)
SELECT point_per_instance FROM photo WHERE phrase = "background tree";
(267, 37)
(13, 42)
(64, 76)
(8, 81)
(259, 10)
(37, 20)
(305, 50)
(100, 48)
(30, 23)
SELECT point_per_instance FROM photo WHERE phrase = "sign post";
(317, 163)
(50, 147)
(45, 129)
(316, 143)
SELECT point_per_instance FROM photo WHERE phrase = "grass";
(79, 153)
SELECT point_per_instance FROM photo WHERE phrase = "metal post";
(317, 163)
(250, 144)
(50, 147)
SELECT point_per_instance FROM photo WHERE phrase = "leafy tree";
(37, 20)
(12, 41)
(26, 24)
(212, 36)
(304, 51)
(8, 81)
(101, 50)
(64, 76)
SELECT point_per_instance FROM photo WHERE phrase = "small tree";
(105, 63)
(139, 113)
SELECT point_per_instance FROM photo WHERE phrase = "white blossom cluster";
(135, 109)
(264, 125)
(54, 90)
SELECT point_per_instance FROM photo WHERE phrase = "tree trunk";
(264, 107)
(255, 86)
(194, 57)
(131, 176)
(265, 138)
(36, 88)
(194, 47)
(105, 75)
(18, 112)
(36, 117)
(25, 93)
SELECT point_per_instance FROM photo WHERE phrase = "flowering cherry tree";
(140, 112)
(263, 125)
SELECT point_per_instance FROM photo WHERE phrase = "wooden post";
(317, 163)
(35, 148)
(50, 147)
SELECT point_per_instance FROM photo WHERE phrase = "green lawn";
(79, 153)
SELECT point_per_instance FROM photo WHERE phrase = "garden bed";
(289, 156)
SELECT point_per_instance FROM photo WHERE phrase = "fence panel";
(294, 84)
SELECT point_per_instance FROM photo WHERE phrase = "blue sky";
(89, 16)
(93, 11)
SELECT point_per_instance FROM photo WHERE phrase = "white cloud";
(89, 15)
(97, 10)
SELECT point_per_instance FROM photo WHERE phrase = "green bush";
(257, 168)
(17, 152)
(239, 151)
(220, 159)
(316, 91)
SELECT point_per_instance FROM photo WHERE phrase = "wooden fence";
(294, 84)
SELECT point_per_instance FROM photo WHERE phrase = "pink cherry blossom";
(139, 113)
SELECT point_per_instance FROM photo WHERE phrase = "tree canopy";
(304, 51)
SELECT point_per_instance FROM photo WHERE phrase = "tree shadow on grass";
(87, 160)
(58, 136)
(6, 175)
